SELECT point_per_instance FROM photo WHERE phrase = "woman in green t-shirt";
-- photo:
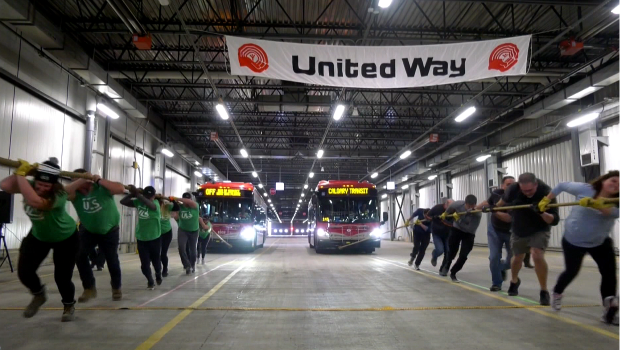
(203, 238)
(52, 229)
(148, 231)
(166, 208)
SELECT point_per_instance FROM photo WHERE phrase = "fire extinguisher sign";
(433, 137)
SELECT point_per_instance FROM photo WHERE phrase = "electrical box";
(588, 147)
(142, 42)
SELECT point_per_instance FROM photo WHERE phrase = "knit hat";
(148, 191)
(48, 171)
(187, 195)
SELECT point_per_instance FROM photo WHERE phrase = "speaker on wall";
(6, 208)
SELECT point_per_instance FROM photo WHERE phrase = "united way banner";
(384, 67)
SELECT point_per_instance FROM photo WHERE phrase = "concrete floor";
(271, 299)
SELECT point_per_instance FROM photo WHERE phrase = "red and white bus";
(342, 213)
(237, 212)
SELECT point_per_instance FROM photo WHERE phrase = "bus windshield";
(227, 210)
(349, 210)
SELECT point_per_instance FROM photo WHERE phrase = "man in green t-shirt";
(93, 201)
(148, 231)
(189, 223)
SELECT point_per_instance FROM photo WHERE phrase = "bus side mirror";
(385, 216)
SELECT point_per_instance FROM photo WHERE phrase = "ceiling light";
(167, 152)
(265, 194)
(222, 111)
(405, 187)
(244, 153)
(319, 153)
(374, 175)
(311, 175)
(583, 119)
(107, 111)
(303, 195)
(465, 114)
(405, 154)
(384, 195)
(385, 3)
(582, 93)
(198, 173)
(616, 10)
(196, 163)
(432, 177)
(484, 157)
(306, 186)
(300, 201)
(164, 2)
(338, 112)
(269, 200)
(260, 185)
(254, 174)
(405, 178)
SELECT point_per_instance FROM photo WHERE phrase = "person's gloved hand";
(456, 216)
(406, 222)
(24, 168)
(133, 190)
(542, 205)
(598, 203)
(443, 215)
(418, 222)
(488, 208)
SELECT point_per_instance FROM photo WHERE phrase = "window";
(227, 210)
(349, 210)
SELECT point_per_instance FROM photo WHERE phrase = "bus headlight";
(376, 233)
(248, 234)
(321, 233)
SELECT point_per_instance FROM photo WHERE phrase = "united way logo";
(253, 57)
(504, 57)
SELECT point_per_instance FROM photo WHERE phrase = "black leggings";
(604, 257)
(33, 251)
(202, 246)
(466, 242)
(420, 243)
(150, 252)
(166, 238)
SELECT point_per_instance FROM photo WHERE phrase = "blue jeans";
(441, 246)
(496, 264)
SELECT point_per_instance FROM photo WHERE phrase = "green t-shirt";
(205, 233)
(188, 218)
(97, 210)
(54, 225)
(165, 217)
(149, 222)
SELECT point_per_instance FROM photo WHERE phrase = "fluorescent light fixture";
(583, 119)
(311, 175)
(260, 185)
(254, 174)
(582, 93)
(374, 175)
(405, 178)
(269, 200)
(405, 154)
(196, 163)
(303, 195)
(297, 205)
(306, 186)
(319, 153)
(167, 152)
(391, 185)
(222, 111)
(465, 114)
(338, 112)
(244, 153)
(385, 3)
(198, 173)
(405, 187)
(432, 177)
(279, 186)
(300, 201)
(265, 194)
(107, 111)
(482, 158)
(384, 195)
(616, 10)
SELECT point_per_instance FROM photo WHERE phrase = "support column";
(575, 155)
(106, 149)
(90, 136)
(442, 186)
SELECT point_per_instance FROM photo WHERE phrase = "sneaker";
(545, 299)
(89, 293)
(495, 288)
(556, 303)
(610, 313)
(417, 267)
(513, 290)
(434, 261)
(150, 286)
(410, 262)
(443, 272)
(35, 304)
(188, 271)
(454, 279)
(158, 281)
(164, 273)
(68, 314)
(117, 294)
(193, 269)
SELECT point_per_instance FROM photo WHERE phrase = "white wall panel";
(385, 208)
(472, 183)
(428, 196)
(39, 72)
(176, 184)
(610, 160)
(6, 116)
(552, 164)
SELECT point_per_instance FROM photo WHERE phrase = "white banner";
(384, 67)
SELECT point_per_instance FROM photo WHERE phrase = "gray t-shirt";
(467, 223)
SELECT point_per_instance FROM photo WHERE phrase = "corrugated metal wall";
(472, 183)
(385, 208)
(428, 195)
(552, 164)
(610, 160)
(405, 201)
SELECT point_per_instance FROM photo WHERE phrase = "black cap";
(48, 171)
(187, 195)
(149, 191)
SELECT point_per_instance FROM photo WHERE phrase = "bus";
(341, 213)
(237, 212)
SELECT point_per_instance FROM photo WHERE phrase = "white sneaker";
(556, 302)
(610, 310)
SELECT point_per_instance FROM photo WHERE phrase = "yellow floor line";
(160, 333)
(367, 309)
(509, 301)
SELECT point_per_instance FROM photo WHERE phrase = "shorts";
(522, 245)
